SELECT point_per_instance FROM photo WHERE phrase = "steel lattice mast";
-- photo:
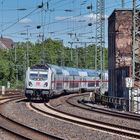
(136, 40)
(136, 47)
(100, 37)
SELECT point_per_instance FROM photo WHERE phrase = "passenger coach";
(44, 81)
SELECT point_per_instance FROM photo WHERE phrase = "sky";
(65, 20)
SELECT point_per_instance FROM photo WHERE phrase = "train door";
(91, 83)
(83, 83)
(71, 83)
(51, 81)
(66, 82)
(59, 82)
(76, 81)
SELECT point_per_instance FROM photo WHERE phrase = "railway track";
(10, 92)
(22, 130)
(126, 115)
(9, 97)
(91, 124)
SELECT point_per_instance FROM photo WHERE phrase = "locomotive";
(46, 81)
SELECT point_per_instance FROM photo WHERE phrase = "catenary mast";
(100, 38)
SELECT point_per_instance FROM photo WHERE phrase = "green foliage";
(13, 63)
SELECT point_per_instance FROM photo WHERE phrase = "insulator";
(89, 24)
(38, 27)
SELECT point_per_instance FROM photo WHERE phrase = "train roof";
(73, 71)
(67, 70)
(39, 67)
(91, 72)
(56, 69)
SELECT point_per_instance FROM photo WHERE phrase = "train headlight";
(30, 84)
(46, 84)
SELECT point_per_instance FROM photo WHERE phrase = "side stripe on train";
(78, 81)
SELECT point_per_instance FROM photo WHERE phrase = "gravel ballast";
(4, 135)
(68, 131)
(59, 104)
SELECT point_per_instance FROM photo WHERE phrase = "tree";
(13, 63)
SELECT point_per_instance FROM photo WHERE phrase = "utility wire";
(62, 19)
(39, 6)
(54, 22)
(18, 20)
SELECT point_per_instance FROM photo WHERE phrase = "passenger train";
(45, 81)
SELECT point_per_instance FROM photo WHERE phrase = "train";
(46, 81)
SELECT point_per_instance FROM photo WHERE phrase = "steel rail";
(22, 130)
(106, 111)
(9, 97)
(115, 129)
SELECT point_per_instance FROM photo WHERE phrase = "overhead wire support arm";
(82, 42)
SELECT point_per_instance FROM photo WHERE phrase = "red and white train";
(45, 81)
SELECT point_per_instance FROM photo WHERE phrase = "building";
(120, 56)
(6, 43)
(119, 51)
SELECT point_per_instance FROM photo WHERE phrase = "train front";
(37, 83)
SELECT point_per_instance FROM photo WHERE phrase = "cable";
(21, 19)
(54, 22)
(18, 20)
(56, 5)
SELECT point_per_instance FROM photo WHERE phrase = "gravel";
(68, 131)
(59, 104)
(4, 135)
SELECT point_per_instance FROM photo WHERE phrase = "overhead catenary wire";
(53, 22)
(55, 7)
(20, 19)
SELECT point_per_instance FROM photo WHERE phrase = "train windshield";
(33, 76)
(43, 76)
(36, 76)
